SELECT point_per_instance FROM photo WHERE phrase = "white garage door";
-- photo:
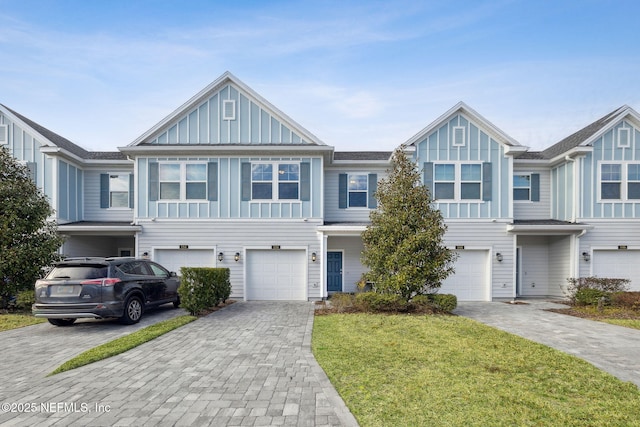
(618, 265)
(276, 275)
(173, 259)
(470, 281)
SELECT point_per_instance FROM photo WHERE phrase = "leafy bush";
(591, 290)
(630, 300)
(378, 302)
(25, 299)
(202, 288)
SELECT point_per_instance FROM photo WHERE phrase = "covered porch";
(103, 239)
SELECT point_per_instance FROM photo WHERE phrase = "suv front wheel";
(133, 309)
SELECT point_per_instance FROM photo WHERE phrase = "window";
(610, 181)
(471, 181)
(196, 182)
(170, 181)
(262, 181)
(522, 187)
(119, 191)
(357, 189)
(633, 181)
(158, 271)
(444, 181)
(288, 181)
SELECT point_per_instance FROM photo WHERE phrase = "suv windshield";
(78, 272)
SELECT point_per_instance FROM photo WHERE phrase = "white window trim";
(4, 135)
(183, 182)
(129, 177)
(464, 136)
(275, 193)
(513, 187)
(229, 109)
(457, 183)
(366, 207)
(624, 181)
(628, 138)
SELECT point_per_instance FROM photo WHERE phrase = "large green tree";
(28, 240)
(403, 245)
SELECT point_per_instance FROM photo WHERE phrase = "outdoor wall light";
(220, 256)
(499, 257)
(237, 256)
(586, 256)
(314, 257)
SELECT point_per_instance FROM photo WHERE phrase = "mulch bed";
(618, 314)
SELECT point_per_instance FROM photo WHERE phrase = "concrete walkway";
(614, 349)
(247, 364)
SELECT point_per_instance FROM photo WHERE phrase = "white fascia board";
(91, 228)
(256, 149)
(547, 229)
(576, 151)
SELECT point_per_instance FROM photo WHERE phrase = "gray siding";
(236, 236)
(529, 209)
(333, 213)
(92, 209)
(607, 235)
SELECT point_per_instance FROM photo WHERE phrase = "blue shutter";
(372, 203)
(245, 177)
(486, 182)
(104, 190)
(427, 171)
(342, 191)
(131, 199)
(154, 182)
(212, 181)
(305, 181)
(535, 187)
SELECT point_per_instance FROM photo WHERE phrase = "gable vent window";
(624, 137)
(4, 140)
(229, 109)
(458, 136)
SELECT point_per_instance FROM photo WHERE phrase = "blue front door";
(334, 271)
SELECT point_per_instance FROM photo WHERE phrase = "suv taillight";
(102, 282)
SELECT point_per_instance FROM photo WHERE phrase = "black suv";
(102, 288)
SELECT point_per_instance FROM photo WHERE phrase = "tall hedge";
(202, 288)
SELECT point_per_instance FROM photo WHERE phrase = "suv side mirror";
(172, 274)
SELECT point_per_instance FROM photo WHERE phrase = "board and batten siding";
(478, 146)
(25, 147)
(70, 192)
(92, 191)
(229, 116)
(607, 148)
(562, 190)
(230, 237)
(489, 236)
(229, 202)
(352, 268)
(534, 209)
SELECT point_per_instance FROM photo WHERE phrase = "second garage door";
(470, 281)
(174, 259)
(276, 275)
(618, 265)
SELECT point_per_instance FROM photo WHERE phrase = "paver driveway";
(248, 364)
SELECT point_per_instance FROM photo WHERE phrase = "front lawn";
(615, 315)
(451, 371)
(14, 320)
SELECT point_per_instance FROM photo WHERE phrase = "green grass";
(13, 321)
(615, 315)
(451, 371)
(627, 323)
(122, 344)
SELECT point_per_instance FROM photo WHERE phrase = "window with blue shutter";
(116, 191)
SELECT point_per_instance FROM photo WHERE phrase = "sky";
(360, 75)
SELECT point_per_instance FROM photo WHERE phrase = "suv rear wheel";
(133, 309)
(62, 322)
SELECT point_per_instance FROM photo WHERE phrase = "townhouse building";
(229, 180)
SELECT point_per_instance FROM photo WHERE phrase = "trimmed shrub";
(444, 302)
(591, 290)
(342, 302)
(25, 299)
(377, 302)
(202, 288)
(630, 300)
